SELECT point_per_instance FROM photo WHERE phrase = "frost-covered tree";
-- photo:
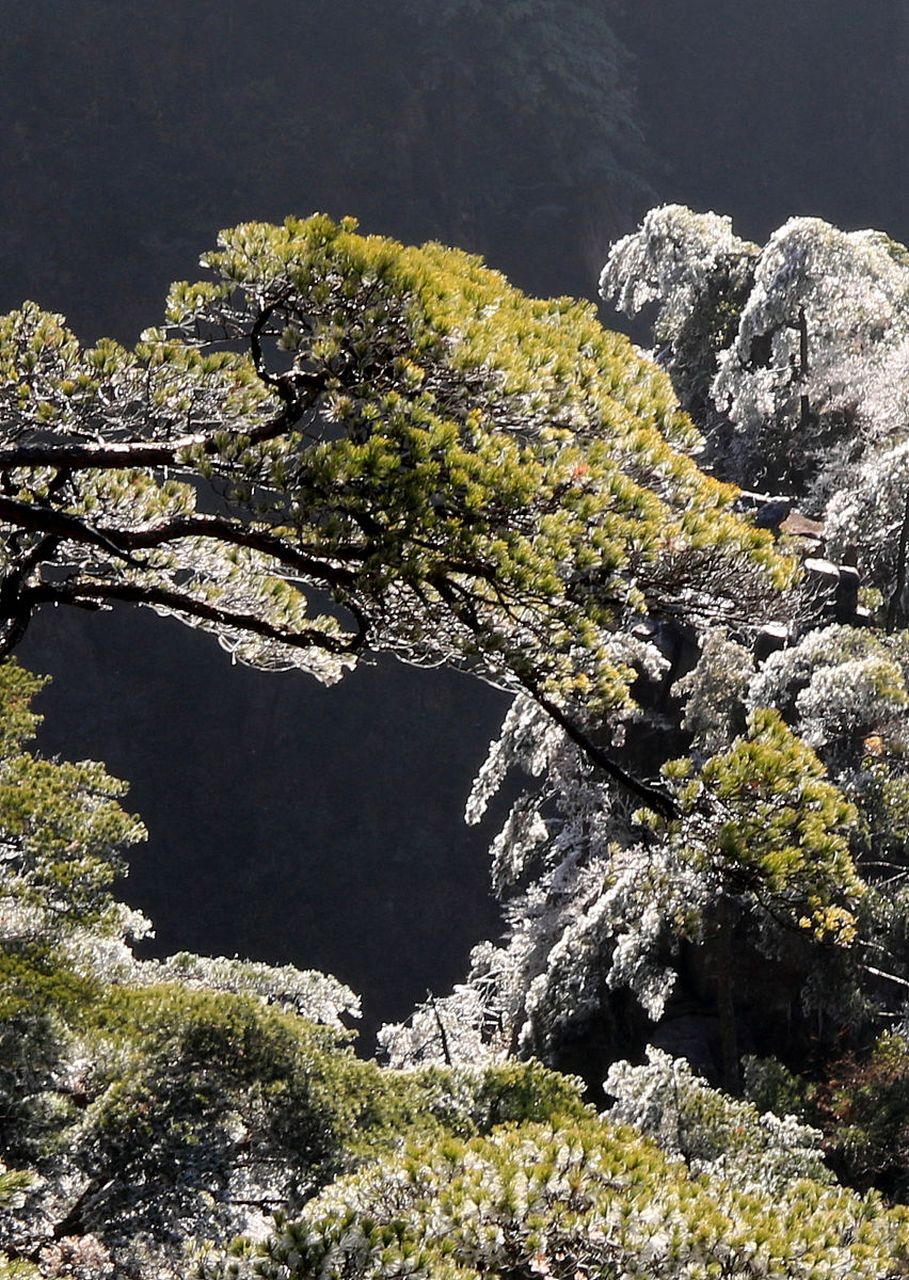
(63, 834)
(714, 1134)
(469, 475)
(153, 1108)
(791, 356)
(775, 894)
(760, 863)
(338, 445)
(696, 275)
(13, 1185)
(130, 1089)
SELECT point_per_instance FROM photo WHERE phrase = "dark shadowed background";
(323, 827)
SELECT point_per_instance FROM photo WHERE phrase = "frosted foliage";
(242, 581)
(535, 978)
(667, 260)
(776, 683)
(654, 899)
(471, 1027)
(599, 914)
(588, 907)
(462, 1030)
(850, 698)
(854, 291)
(609, 924)
(841, 682)
(575, 1201)
(19, 919)
(528, 738)
(865, 518)
(77, 1258)
(716, 1135)
(883, 387)
(237, 580)
(715, 691)
(313, 995)
(107, 954)
(600, 911)
(636, 652)
(866, 474)
(558, 940)
(585, 908)
(562, 948)
(523, 834)
(728, 329)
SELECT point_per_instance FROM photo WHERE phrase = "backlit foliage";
(582, 1198)
(770, 824)
(474, 476)
(63, 835)
(775, 894)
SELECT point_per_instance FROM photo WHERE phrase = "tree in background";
(511, 130)
(792, 358)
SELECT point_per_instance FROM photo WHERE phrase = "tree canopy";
(769, 911)
(337, 445)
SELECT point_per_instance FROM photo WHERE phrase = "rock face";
(836, 586)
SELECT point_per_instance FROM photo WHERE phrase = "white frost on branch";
(715, 691)
(718, 1136)
(839, 684)
(528, 738)
(667, 261)
(460, 1030)
(317, 996)
(793, 357)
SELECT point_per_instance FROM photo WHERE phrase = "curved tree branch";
(651, 796)
(88, 594)
(299, 393)
(121, 542)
